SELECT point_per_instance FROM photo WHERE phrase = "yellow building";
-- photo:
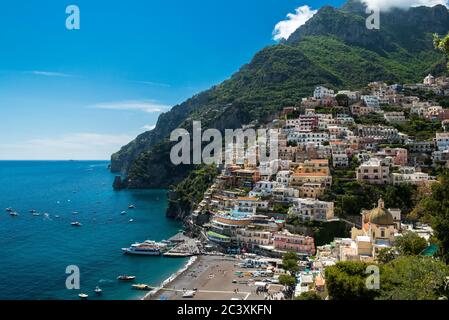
(379, 228)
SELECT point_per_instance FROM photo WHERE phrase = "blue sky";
(81, 94)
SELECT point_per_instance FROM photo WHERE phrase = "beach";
(213, 278)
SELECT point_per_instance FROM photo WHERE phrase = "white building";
(371, 101)
(442, 140)
(311, 209)
(283, 177)
(411, 176)
(394, 117)
(303, 138)
(323, 92)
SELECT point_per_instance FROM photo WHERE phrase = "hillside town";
(272, 209)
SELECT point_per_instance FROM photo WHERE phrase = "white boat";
(189, 294)
(36, 214)
(131, 206)
(147, 248)
(123, 213)
(76, 224)
(83, 296)
(131, 220)
(98, 290)
(33, 211)
(126, 278)
(13, 214)
(9, 209)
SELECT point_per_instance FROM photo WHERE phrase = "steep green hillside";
(334, 48)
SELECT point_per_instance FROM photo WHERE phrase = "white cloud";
(285, 28)
(148, 127)
(386, 5)
(76, 146)
(153, 84)
(49, 74)
(133, 105)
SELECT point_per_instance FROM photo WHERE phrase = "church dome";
(381, 216)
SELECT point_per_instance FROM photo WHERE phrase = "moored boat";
(76, 224)
(143, 287)
(126, 278)
(98, 290)
(83, 296)
(147, 248)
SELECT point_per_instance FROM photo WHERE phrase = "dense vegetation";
(190, 191)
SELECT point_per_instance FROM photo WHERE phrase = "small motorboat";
(126, 278)
(143, 287)
(131, 220)
(76, 224)
(98, 290)
(57, 217)
(123, 213)
(36, 214)
(131, 206)
(13, 214)
(83, 296)
(9, 209)
(33, 211)
(189, 294)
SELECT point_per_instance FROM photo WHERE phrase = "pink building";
(285, 241)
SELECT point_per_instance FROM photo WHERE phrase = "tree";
(410, 244)
(413, 278)
(310, 295)
(290, 262)
(441, 44)
(386, 255)
(436, 207)
(347, 281)
(287, 280)
(342, 100)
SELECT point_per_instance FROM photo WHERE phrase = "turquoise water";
(35, 251)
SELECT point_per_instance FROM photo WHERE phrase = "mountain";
(334, 48)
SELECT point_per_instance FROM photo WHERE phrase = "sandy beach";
(213, 277)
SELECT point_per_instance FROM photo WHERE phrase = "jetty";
(185, 247)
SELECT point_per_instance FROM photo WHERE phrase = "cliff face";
(334, 48)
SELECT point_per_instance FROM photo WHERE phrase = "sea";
(36, 251)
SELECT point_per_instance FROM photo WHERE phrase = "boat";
(57, 217)
(123, 213)
(143, 287)
(13, 214)
(131, 206)
(33, 211)
(131, 220)
(189, 294)
(76, 224)
(9, 209)
(126, 278)
(83, 296)
(36, 214)
(98, 290)
(147, 248)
